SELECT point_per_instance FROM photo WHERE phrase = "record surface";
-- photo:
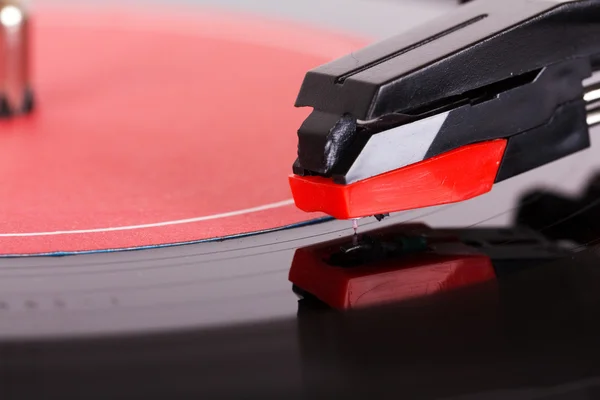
(191, 285)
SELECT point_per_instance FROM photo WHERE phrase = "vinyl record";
(147, 231)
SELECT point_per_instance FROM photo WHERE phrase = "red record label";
(155, 129)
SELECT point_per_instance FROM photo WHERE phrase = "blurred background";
(373, 18)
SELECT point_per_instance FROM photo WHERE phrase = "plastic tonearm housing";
(441, 113)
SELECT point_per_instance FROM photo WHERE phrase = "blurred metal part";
(593, 116)
(16, 93)
(591, 96)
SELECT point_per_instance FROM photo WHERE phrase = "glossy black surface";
(537, 337)
(448, 56)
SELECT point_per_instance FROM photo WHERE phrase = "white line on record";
(158, 224)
